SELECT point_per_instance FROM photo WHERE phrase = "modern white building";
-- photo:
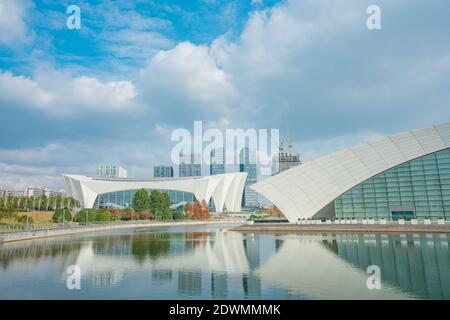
(403, 175)
(224, 189)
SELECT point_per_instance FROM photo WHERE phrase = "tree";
(84, 215)
(146, 214)
(43, 202)
(141, 200)
(102, 215)
(129, 214)
(197, 209)
(62, 214)
(58, 201)
(178, 215)
(116, 214)
(189, 209)
(160, 204)
(204, 210)
(155, 201)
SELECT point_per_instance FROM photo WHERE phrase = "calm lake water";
(206, 262)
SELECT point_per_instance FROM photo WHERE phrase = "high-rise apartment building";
(189, 165)
(163, 171)
(217, 161)
(284, 160)
(111, 171)
(247, 159)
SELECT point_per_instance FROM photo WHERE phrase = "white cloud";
(59, 93)
(44, 166)
(135, 44)
(186, 81)
(13, 28)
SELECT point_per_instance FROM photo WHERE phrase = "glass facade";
(189, 165)
(162, 171)
(419, 188)
(124, 199)
(217, 165)
(247, 158)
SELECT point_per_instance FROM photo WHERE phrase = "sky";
(114, 90)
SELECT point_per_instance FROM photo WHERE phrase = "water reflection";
(416, 264)
(207, 262)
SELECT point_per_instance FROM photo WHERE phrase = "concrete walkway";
(34, 234)
(345, 228)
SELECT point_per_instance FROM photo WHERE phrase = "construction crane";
(290, 145)
(278, 144)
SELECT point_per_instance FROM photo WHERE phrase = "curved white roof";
(225, 189)
(304, 190)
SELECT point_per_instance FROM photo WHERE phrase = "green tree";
(160, 204)
(178, 215)
(58, 201)
(141, 200)
(85, 216)
(43, 203)
(61, 214)
(102, 215)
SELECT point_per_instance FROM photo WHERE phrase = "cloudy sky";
(113, 91)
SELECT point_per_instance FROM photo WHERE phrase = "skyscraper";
(284, 160)
(111, 171)
(217, 163)
(247, 159)
(163, 171)
(189, 165)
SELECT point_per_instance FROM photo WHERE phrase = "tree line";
(41, 203)
(157, 205)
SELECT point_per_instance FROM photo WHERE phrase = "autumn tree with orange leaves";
(189, 210)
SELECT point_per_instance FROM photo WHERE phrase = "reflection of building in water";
(165, 255)
(251, 247)
(251, 283)
(190, 282)
(418, 264)
(304, 264)
(219, 286)
(161, 275)
(105, 278)
(177, 244)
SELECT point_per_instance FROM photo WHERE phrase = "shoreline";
(38, 234)
(360, 228)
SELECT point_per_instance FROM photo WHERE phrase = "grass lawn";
(39, 217)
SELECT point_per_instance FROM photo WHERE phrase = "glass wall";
(421, 185)
(124, 199)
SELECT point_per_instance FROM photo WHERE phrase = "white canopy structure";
(225, 189)
(304, 190)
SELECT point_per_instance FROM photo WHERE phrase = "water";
(206, 262)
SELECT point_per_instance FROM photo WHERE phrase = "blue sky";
(113, 91)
